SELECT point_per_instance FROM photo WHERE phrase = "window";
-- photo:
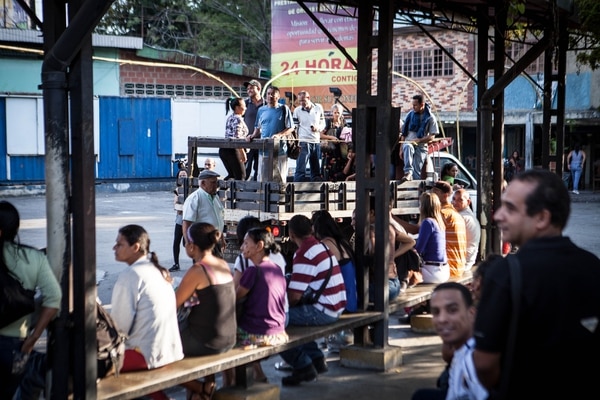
(515, 51)
(423, 63)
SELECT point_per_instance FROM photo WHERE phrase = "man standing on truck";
(253, 103)
(274, 121)
(311, 121)
(420, 127)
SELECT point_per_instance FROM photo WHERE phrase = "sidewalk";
(154, 210)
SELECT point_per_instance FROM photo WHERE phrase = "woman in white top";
(143, 305)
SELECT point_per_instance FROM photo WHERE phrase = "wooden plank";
(421, 293)
(134, 384)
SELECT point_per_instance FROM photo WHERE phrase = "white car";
(439, 159)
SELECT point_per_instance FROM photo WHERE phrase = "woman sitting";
(431, 243)
(264, 286)
(143, 305)
(210, 326)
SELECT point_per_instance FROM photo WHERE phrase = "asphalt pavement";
(154, 210)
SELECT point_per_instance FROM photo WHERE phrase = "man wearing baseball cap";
(204, 205)
(253, 103)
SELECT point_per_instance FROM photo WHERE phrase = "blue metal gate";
(135, 138)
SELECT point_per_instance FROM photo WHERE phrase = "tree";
(230, 30)
(588, 12)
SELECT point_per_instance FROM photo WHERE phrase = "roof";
(13, 35)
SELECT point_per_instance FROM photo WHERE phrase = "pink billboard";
(303, 57)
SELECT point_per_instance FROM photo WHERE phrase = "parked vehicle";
(276, 203)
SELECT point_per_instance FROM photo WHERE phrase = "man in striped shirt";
(314, 269)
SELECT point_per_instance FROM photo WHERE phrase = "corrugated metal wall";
(135, 138)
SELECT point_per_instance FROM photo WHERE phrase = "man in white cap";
(204, 205)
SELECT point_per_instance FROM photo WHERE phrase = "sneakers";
(174, 268)
(575, 191)
(407, 177)
(306, 374)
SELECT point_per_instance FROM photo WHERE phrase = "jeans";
(303, 355)
(310, 152)
(252, 164)
(414, 158)
(576, 176)
(394, 289)
(32, 379)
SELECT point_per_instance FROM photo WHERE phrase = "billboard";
(303, 57)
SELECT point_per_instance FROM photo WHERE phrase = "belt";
(434, 263)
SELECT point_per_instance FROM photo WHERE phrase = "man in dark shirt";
(253, 103)
(557, 340)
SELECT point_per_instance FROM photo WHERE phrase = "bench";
(421, 293)
(134, 384)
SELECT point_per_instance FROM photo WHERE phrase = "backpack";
(111, 344)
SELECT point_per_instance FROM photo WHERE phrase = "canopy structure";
(70, 185)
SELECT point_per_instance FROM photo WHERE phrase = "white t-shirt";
(276, 258)
(463, 383)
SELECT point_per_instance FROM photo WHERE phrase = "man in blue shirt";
(274, 121)
(419, 128)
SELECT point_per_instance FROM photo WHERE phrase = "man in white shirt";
(453, 313)
(311, 122)
(462, 203)
(204, 205)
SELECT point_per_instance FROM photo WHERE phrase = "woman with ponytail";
(143, 305)
(210, 327)
(234, 160)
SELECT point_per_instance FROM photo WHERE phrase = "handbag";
(15, 301)
(310, 296)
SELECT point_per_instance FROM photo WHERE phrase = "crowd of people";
(325, 143)
(215, 307)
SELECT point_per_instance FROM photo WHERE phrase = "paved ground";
(153, 210)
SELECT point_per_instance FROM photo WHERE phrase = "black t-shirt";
(558, 342)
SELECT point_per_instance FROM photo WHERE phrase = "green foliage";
(227, 30)
(589, 17)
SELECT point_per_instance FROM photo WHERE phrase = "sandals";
(208, 391)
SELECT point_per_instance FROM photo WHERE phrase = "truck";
(275, 203)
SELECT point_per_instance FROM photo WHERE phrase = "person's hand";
(249, 138)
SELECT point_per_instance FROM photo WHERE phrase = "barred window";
(423, 63)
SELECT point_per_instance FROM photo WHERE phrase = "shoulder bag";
(15, 301)
(310, 296)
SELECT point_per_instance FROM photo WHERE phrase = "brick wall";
(150, 80)
(447, 93)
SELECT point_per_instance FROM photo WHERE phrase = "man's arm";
(185, 226)
(487, 366)
(255, 134)
(410, 228)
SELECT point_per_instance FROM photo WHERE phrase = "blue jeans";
(33, 377)
(303, 355)
(310, 152)
(394, 289)
(576, 176)
(414, 158)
